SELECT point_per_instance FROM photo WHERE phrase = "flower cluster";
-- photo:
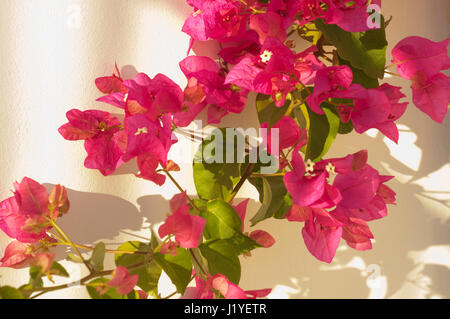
(305, 97)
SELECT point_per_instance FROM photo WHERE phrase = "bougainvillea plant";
(305, 99)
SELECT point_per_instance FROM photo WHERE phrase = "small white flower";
(142, 130)
(309, 166)
(266, 56)
(331, 169)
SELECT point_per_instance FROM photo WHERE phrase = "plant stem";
(248, 172)
(83, 280)
(59, 230)
(392, 73)
(112, 251)
(181, 190)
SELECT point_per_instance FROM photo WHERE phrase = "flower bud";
(58, 199)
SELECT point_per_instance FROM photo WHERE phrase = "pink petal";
(324, 244)
(32, 197)
(17, 255)
(263, 238)
(122, 281)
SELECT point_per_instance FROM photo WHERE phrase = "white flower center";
(141, 130)
(125, 97)
(309, 166)
(196, 13)
(331, 169)
(266, 56)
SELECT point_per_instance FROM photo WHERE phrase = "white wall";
(52, 50)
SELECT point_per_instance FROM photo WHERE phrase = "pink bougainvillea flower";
(268, 73)
(23, 216)
(263, 238)
(286, 10)
(360, 196)
(111, 84)
(289, 134)
(206, 87)
(114, 89)
(373, 108)
(247, 46)
(363, 194)
(122, 281)
(148, 165)
(15, 224)
(322, 241)
(146, 136)
(431, 95)
(307, 65)
(152, 97)
(84, 125)
(169, 248)
(226, 288)
(179, 203)
(218, 20)
(229, 290)
(355, 232)
(327, 83)
(105, 152)
(269, 24)
(414, 54)
(104, 141)
(310, 10)
(187, 228)
(307, 188)
(349, 15)
(421, 60)
(31, 197)
(58, 200)
(321, 233)
(44, 261)
(17, 255)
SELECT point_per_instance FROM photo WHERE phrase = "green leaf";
(178, 268)
(111, 293)
(284, 207)
(74, 258)
(36, 277)
(149, 273)
(58, 270)
(272, 195)
(154, 242)
(268, 112)
(8, 292)
(359, 76)
(242, 244)
(265, 197)
(214, 178)
(322, 132)
(222, 259)
(364, 50)
(98, 256)
(222, 220)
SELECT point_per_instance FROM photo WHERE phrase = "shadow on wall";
(411, 226)
(93, 216)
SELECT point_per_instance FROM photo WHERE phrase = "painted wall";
(52, 50)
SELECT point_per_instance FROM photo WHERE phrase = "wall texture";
(52, 50)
